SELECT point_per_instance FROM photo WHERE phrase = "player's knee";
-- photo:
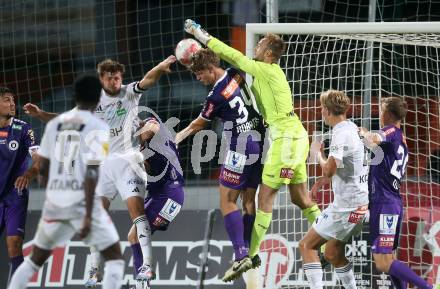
(332, 256)
(381, 267)
(249, 207)
(132, 235)
(15, 245)
(304, 246)
(383, 262)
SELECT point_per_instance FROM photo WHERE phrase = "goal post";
(405, 62)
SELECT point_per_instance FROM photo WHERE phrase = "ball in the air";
(185, 50)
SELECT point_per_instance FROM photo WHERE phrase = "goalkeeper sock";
(401, 271)
(311, 213)
(234, 227)
(346, 275)
(261, 224)
(137, 257)
(144, 236)
(248, 223)
(314, 275)
(23, 274)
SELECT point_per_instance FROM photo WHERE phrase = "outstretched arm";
(156, 72)
(195, 126)
(34, 111)
(225, 52)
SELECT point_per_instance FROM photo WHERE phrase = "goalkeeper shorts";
(286, 162)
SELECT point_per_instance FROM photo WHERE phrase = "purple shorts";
(238, 175)
(13, 214)
(385, 223)
(162, 205)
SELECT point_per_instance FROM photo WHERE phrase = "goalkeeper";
(285, 162)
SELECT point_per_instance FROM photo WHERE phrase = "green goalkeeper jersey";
(270, 88)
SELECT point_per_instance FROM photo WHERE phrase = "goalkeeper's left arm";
(225, 52)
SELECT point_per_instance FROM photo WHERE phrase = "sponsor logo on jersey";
(13, 145)
(209, 109)
(229, 90)
(31, 136)
(388, 224)
(135, 190)
(235, 162)
(135, 181)
(389, 131)
(17, 126)
(4, 134)
(286, 173)
(386, 241)
(170, 210)
(160, 222)
(121, 112)
(230, 177)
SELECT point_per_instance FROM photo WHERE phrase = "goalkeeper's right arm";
(225, 52)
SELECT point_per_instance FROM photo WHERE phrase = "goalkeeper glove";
(195, 29)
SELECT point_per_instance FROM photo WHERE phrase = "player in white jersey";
(348, 170)
(72, 148)
(118, 108)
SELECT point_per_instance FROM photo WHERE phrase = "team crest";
(13, 145)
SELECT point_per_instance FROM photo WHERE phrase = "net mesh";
(399, 67)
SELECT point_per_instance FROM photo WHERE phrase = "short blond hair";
(335, 101)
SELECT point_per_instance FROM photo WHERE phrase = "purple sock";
(137, 257)
(401, 271)
(234, 227)
(248, 224)
(14, 262)
(399, 284)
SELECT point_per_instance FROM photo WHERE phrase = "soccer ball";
(186, 49)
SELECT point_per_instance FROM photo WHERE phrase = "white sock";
(95, 257)
(314, 275)
(23, 274)
(346, 275)
(144, 236)
(113, 274)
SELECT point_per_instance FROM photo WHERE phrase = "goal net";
(368, 61)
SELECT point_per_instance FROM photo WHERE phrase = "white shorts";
(103, 234)
(334, 224)
(118, 176)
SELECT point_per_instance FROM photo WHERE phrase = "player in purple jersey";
(385, 202)
(229, 100)
(164, 184)
(17, 142)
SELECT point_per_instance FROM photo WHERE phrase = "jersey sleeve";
(338, 145)
(97, 145)
(236, 58)
(46, 142)
(387, 135)
(133, 91)
(211, 106)
(29, 139)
